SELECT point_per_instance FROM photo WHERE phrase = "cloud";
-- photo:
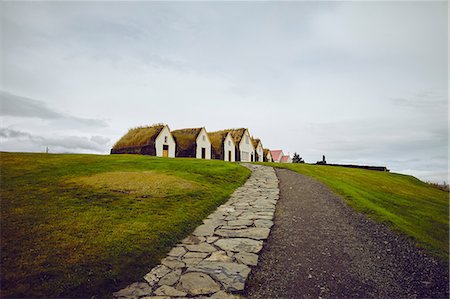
(12, 138)
(17, 106)
(100, 140)
(422, 100)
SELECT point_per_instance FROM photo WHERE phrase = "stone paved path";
(216, 259)
(321, 248)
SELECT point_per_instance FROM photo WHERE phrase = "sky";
(359, 82)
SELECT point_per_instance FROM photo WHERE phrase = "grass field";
(403, 202)
(83, 225)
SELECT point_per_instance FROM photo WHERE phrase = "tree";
(297, 159)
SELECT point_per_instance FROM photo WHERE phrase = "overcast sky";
(361, 82)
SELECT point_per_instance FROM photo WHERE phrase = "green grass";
(83, 225)
(403, 202)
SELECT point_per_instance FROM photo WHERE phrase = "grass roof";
(255, 142)
(266, 151)
(217, 139)
(236, 134)
(139, 136)
(186, 138)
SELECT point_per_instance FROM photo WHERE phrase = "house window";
(246, 139)
(204, 137)
(229, 143)
(165, 139)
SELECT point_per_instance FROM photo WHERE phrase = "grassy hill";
(403, 202)
(83, 225)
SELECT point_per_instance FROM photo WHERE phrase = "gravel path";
(319, 247)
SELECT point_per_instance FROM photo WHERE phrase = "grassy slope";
(69, 228)
(403, 202)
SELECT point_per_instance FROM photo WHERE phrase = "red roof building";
(285, 159)
(276, 155)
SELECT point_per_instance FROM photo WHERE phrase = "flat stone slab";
(156, 274)
(263, 223)
(257, 233)
(231, 275)
(202, 247)
(219, 256)
(247, 258)
(239, 245)
(214, 262)
(172, 263)
(169, 291)
(198, 284)
(205, 230)
(177, 251)
(171, 278)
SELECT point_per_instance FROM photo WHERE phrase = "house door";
(165, 151)
(203, 153)
(251, 159)
(229, 156)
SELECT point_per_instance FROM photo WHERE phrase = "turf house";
(267, 155)
(245, 152)
(259, 151)
(155, 140)
(223, 146)
(192, 143)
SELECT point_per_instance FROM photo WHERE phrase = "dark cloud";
(17, 106)
(9, 133)
(100, 140)
(58, 143)
(424, 99)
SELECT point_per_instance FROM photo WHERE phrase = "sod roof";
(217, 139)
(236, 134)
(186, 138)
(255, 142)
(266, 151)
(139, 136)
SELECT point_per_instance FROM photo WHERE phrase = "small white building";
(192, 143)
(259, 150)
(223, 146)
(155, 140)
(165, 144)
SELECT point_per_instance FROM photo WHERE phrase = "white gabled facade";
(203, 145)
(165, 142)
(229, 149)
(260, 152)
(269, 156)
(246, 149)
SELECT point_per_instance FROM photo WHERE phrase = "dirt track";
(319, 247)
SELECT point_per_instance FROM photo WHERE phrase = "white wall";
(229, 146)
(246, 148)
(203, 141)
(165, 138)
(259, 150)
(269, 157)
